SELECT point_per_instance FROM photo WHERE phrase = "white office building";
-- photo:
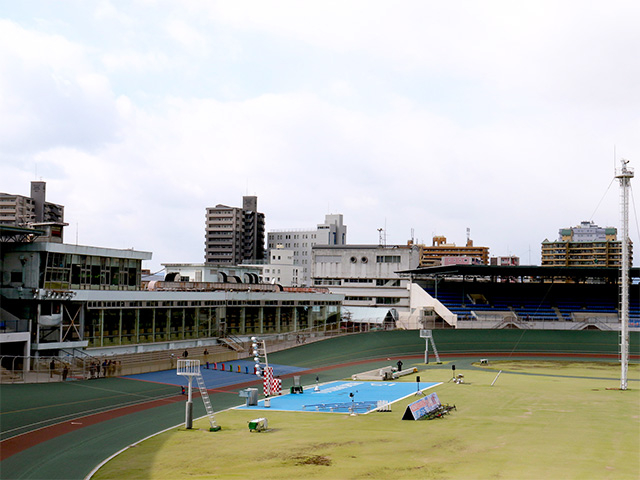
(281, 270)
(301, 242)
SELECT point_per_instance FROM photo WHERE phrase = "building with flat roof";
(301, 242)
(20, 210)
(234, 234)
(367, 276)
(585, 245)
(432, 255)
(57, 298)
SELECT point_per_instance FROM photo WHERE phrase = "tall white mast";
(625, 176)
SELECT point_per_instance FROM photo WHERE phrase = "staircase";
(233, 345)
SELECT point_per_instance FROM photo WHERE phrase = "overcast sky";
(425, 117)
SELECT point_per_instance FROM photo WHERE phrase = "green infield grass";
(541, 419)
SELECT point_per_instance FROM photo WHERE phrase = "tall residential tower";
(234, 234)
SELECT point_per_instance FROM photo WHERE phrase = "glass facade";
(120, 323)
(64, 271)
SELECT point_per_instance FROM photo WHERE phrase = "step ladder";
(435, 351)
(428, 337)
(207, 402)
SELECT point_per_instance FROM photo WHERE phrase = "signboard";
(425, 334)
(422, 407)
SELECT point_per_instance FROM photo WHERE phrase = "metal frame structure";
(624, 176)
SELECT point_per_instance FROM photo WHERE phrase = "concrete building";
(585, 245)
(367, 276)
(433, 255)
(234, 234)
(508, 261)
(278, 269)
(281, 269)
(301, 242)
(20, 210)
(203, 272)
(57, 298)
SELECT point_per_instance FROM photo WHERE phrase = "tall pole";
(625, 176)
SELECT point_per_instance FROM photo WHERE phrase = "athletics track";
(62, 431)
(73, 447)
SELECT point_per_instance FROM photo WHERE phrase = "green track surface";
(74, 455)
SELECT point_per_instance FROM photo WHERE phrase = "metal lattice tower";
(625, 176)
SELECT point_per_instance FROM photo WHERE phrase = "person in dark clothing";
(399, 365)
(185, 354)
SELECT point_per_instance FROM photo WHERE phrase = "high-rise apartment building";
(301, 241)
(22, 211)
(585, 245)
(234, 234)
(433, 255)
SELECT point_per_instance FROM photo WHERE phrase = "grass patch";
(524, 427)
(566, 368)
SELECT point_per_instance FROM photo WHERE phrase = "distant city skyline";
(422, 119)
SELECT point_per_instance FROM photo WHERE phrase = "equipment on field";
(427, 335)
(190, 369)
(258, 425)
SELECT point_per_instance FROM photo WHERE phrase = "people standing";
(52, 366)
(65, 372)
(185, 354)
(399, 365)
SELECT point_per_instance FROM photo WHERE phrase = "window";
(387, 300)
(388, 259)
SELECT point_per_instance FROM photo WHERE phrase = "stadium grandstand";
(564, 298)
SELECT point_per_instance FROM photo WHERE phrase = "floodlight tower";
(625, 175)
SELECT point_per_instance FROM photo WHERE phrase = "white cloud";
(136, 61)
(51, 96)
(497, 116)
(188, 36)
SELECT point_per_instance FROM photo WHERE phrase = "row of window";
(388, 259)
(378, 300)
(289, 236)
(209, 303)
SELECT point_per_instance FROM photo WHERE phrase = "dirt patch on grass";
(312, 460)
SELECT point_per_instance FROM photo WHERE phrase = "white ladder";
(435, 350)
(206, 400)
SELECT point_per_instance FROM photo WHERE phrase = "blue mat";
(339, 397)
(216, 378)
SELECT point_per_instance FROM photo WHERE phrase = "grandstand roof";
(581, 273)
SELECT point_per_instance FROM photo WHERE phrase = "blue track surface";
(216, 378)
(336, 396)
